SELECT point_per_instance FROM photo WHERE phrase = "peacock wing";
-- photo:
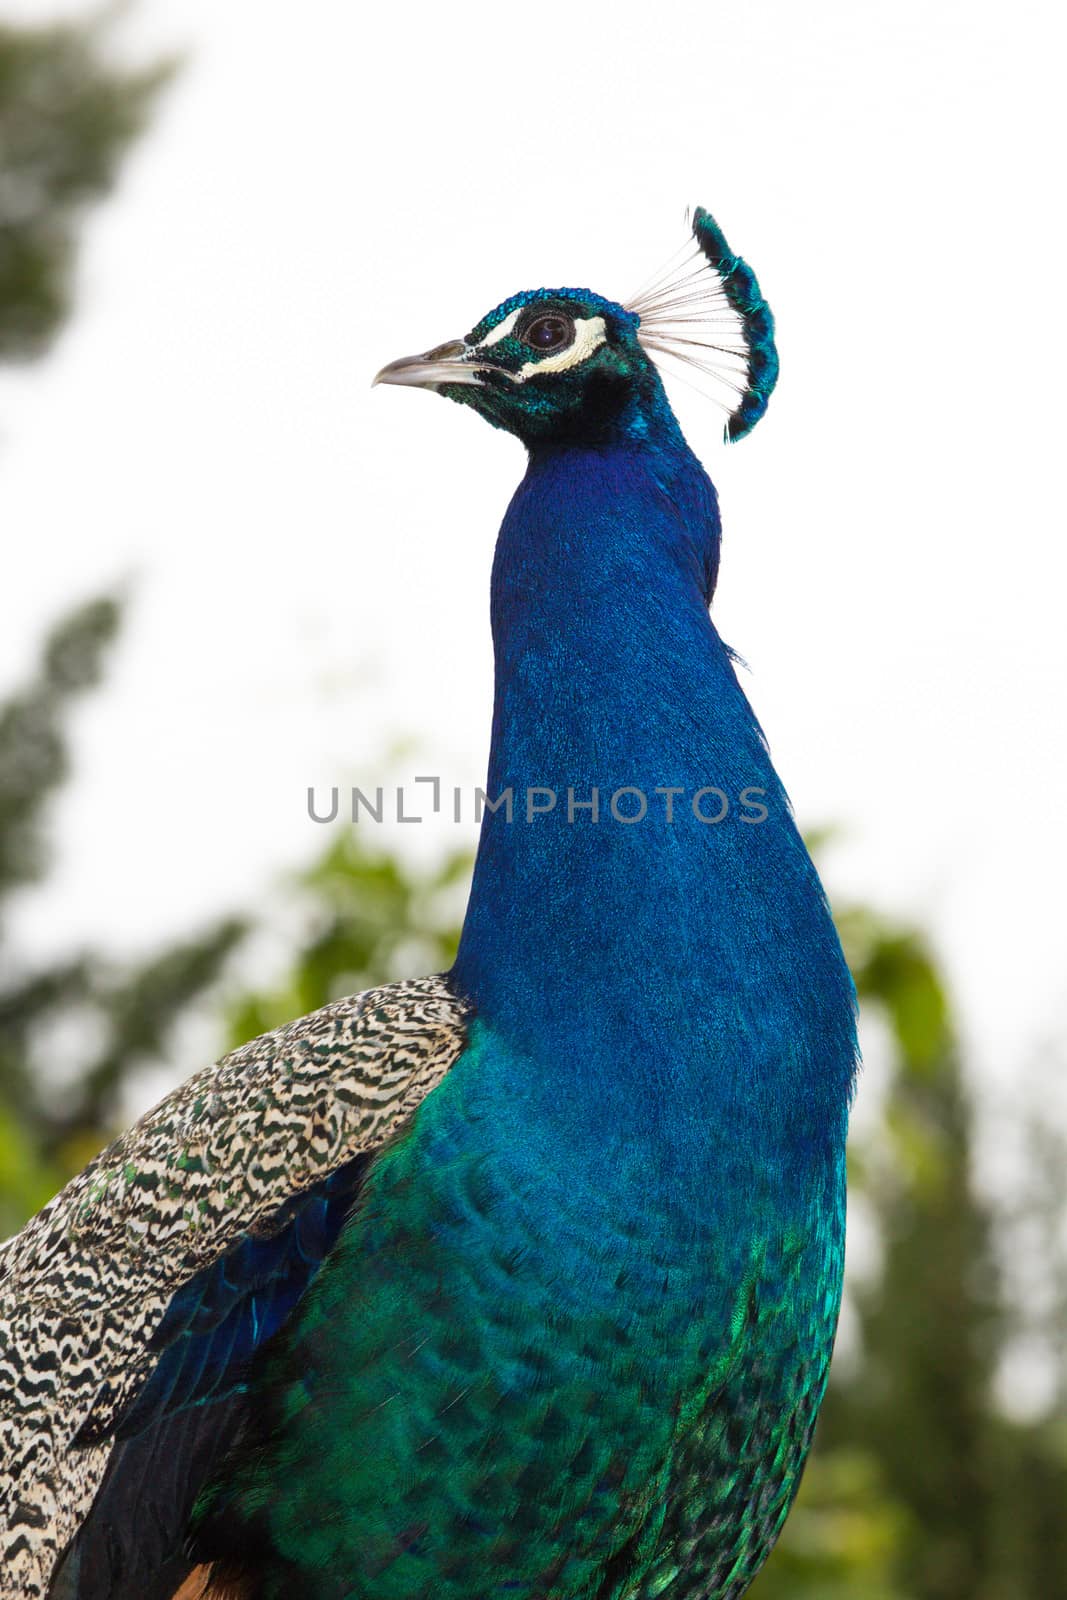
(136, 1297)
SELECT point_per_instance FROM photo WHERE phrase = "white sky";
(329, 186)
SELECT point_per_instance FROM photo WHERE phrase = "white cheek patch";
(589, 334)
(502, 329)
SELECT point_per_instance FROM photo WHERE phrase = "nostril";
(445, 352)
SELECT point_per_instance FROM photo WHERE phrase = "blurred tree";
(68, 113)
(366, 917)
(933, 1325)
(919, 1487)
(55, 1114)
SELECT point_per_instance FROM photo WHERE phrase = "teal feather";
(743, 292)
(472, 1401)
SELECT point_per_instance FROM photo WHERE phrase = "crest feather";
(705, 310)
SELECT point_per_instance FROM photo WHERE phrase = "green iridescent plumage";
(490, 1411)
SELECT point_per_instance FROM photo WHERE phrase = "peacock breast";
(512, 1363)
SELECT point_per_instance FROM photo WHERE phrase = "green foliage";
(67, 115)
(367, 917)
(33, 759)
(942, 1497)
(52, 1122)
(843, 1536)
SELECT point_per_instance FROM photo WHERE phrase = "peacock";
(521, 1279)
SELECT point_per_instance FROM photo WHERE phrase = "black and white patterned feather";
(90, 1290)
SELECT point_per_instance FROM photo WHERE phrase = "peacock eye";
(550, 332)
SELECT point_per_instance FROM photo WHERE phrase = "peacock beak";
(446, 363)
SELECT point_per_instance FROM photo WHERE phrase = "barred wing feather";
(236, 1182)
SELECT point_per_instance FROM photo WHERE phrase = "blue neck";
(653, 962)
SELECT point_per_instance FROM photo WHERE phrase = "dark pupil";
(547, 333)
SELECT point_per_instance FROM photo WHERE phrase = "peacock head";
(560, 365)
(566, 366)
